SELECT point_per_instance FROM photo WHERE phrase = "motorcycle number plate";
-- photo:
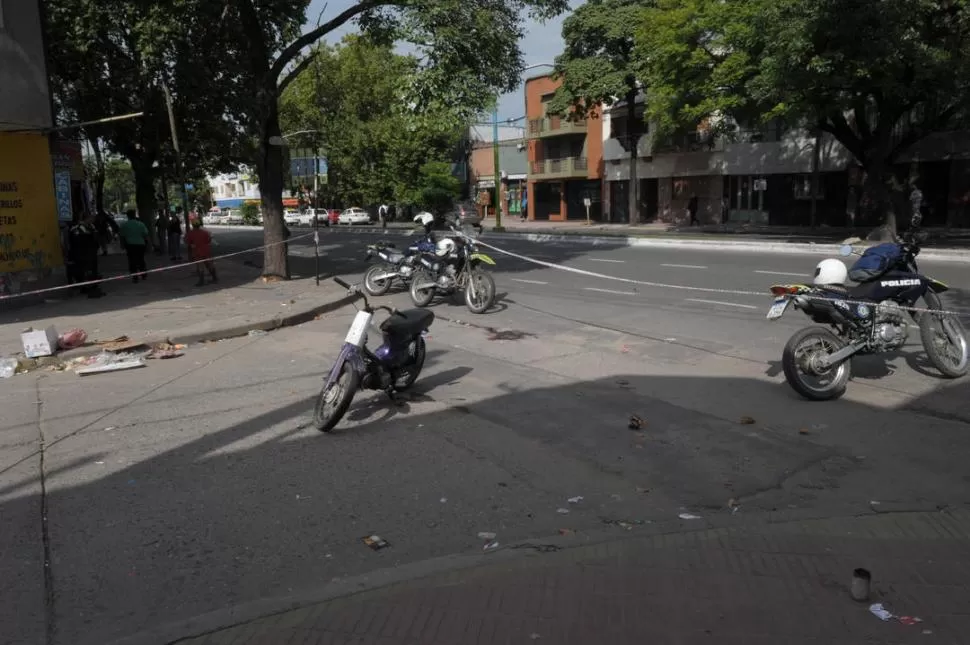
(778, 308)
(358, 329)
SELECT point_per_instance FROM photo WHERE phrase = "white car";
(291, 217)
(312, 215)
(354, 216)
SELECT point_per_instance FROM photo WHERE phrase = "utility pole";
(178, 155)
(815, 175)
(498, 171)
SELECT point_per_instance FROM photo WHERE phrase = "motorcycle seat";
(409, 322)
(857, 292)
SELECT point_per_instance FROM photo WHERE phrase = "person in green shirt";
(134, 237)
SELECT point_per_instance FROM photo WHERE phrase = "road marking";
(529, 281)
(718, 302)
(619, 293)
(683, 266)
(794, 275)
(605, 260)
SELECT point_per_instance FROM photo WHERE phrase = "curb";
(961, 256)
(234, 331)
(508, 555)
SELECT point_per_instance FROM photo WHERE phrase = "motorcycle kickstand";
(393, 396)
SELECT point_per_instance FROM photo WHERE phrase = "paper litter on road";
(880, 612)
(689, 516)
(486, 535)
(375, 542)
(575, 500)
(562, 511)
(490, 546)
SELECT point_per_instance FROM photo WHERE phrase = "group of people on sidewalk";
(86, 238)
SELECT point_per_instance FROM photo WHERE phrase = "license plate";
(778, 308)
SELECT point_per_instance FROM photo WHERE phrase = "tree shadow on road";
(249, 510)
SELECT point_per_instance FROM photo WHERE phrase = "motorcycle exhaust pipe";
(385, 276)
(426, 285)
(839, 356)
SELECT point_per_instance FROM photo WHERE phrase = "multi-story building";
(763, 175)
(565, 158)
(232, 190)
(513, 167)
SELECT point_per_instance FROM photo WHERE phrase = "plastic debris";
(734, 505)
(107, 362)
(375, 542)
(562, 511)
(443, 500)
(689, 516)
(71, 339)
(8, 367)
(490, 546)
(257, 332)
(575, 500)
(746, 421)
(486, 535)
(909, 620)
(636, 423)
(880, 612)
(566, 531)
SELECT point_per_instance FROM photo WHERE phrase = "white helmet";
(424, 218)
(830, 272)
(444, 247)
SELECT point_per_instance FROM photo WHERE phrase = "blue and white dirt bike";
(393, 367)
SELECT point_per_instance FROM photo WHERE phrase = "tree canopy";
(879, 76)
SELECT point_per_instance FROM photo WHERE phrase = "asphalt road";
(196, 484)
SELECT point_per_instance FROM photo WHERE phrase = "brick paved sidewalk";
(170, 305)
(767, 585)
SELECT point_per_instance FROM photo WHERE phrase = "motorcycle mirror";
(846, 250)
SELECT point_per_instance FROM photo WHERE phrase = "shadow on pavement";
(234, 512)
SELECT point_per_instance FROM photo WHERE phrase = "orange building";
(565, 158)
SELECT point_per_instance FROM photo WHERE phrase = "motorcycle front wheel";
(800, 362)
(422, 297)
(333, 401)
(484, 292)
(945, 341)
(377, 287)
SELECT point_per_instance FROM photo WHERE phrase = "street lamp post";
(498, 170)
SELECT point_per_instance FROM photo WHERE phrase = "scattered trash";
(100, 463)
(375, 542)
(689, 516)
(734, 505)
(859, 589)
(443, 500)
(874, 503)
(927, 632)
(746, 421)
(121, 344)
(165, 351)
(643, 491)
(534, 636)
(539, 548)
(616, 498)
(108, 362)
(625, 349)
(566, 531)
(490, 546)
(804, 431)
(39, 343)
(575, 500)
(8, 367)
(256, 333)
(486, 535)
(109, 428)
(562, 511)
(909, 620)
(880, 612)
(623, 524)
(636, 423)
(73, 338)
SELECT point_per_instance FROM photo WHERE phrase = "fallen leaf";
(636, 423)
(746, 421)
(566, 531)
(804, 431)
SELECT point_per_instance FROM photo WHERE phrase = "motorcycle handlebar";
(342, 283)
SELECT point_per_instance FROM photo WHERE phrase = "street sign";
(587, 202)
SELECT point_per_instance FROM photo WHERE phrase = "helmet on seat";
(830, 272)
(444, 247)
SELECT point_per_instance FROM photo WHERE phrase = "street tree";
(468, 51)
(348, 101)
(597, 68)
(113, 57)
(878, 76)
(435, 188)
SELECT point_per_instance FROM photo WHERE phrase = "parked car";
(311, 215)
(291, 216)
(354, 215)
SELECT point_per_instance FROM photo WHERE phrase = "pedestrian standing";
(916, 199)
(692, 209)
(83, 248)
(198, 241)
(135, 236)
(175, 238)
(525, 204)
(382, 215)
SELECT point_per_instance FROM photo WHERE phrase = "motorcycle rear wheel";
(377, 287)
(406, 377)
(794, 364)
(484, 285)
(333, 402)
(421, 297)
(949, 329)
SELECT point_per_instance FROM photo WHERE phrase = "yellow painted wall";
(29, 234)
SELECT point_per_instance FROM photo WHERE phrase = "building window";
(802, 187)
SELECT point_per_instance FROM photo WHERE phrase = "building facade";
(565, 158)
(513, 167)
(764, 175)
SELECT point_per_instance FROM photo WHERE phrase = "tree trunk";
(99, 176)
(877, 199)
(633, 129)
(145, 194)
(276, 264)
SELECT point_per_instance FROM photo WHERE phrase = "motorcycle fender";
(936, 286)
(481, 257)
(348, 354)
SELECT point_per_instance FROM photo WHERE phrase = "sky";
(541, 44)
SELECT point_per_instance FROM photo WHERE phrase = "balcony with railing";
(554, 126)
(565, 168)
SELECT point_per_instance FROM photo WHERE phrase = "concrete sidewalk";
(752, 583)
(169, 306)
